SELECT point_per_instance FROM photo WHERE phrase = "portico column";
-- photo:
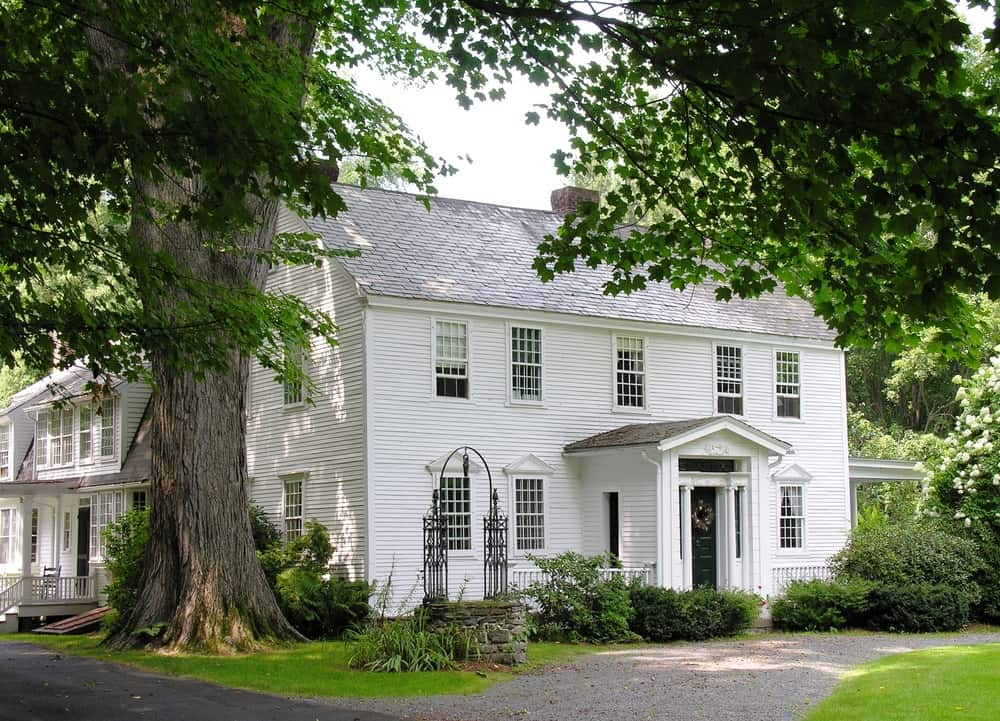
(746, 540)
(686, 550)
(731, 581)
(26, 508)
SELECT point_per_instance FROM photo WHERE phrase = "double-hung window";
(34, 535)
(791, 517)
(291, 505)
(67, 530)
(729, 379)
(105, 508)
(42, 439)
(61, 437)
(6, 535)
(85, 445)
(104, 431)
(630, 372)
(456, 506)
(525, 364)
(294, 385)
(787, 387)
(451, 359)
(4, 452)
(529, 514)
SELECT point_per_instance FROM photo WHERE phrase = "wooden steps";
(76, 624)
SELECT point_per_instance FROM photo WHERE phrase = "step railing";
(10, 593)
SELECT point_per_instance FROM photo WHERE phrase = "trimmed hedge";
(821, 605)
(663, 614)
(917, 608)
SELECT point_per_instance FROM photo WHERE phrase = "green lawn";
(312, 669)
(952, 682)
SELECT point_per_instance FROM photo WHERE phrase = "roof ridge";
(446, 198)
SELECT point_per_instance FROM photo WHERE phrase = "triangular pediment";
(794, 472)
(454, 463)
(715, 426)
(529, 464)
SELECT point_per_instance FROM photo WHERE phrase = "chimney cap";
(567, 199)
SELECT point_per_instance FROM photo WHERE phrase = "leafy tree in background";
(842, 150)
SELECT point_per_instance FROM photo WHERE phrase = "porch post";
(686, 550)
(854, 502)
(26, 507)
(731, 581)
(746, 556)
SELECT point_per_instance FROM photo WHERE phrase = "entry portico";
(708, 481)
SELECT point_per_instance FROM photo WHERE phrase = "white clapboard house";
(701, 442)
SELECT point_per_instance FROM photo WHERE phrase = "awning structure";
(866, 471)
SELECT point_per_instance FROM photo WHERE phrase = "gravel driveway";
(767, 678)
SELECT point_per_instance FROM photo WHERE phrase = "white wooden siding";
(324, 442)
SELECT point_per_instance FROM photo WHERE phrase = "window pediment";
(529, 464)
(454, 465)
(792, 474)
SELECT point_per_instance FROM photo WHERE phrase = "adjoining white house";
(701, 442)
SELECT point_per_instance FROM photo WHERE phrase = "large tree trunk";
(202, 578)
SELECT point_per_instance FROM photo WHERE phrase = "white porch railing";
(44, 590)
(522, 578)
(781, 578)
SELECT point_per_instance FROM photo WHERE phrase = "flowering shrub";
(964, 487)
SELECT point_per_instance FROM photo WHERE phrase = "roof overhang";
(37, 488)
(880, 470)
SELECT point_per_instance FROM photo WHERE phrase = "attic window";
(4, 452)
(451, 359)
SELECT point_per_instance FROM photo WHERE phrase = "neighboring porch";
(691, 500)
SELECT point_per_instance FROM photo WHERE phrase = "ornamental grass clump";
(405, 644)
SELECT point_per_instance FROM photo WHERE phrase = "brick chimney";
(566, 200)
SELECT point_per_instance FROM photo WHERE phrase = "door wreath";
(702, 516)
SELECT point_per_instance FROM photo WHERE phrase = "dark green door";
(703, 548)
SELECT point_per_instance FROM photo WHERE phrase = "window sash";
(108, 412)
(291, 504)
(106, 507)
(85, 445)
(525, 364)
(630, 372)
(42, 439)
(67, 530)
(293, 387)
(529, 514)
(791, 517)
(6, 535)
(34, 535)
(4, 452)
(451, 359)
(729, 379)
(456, 505)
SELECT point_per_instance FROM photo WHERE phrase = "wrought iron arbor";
(495, 537)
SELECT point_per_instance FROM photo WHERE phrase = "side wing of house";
(305, 447)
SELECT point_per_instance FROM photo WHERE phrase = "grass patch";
(318, 668)
(951, 682)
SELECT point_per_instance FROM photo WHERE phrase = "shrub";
(912, 552)
(406, 645)
(125, 548)
(821, 605)
(575, 602)
(663, 614)
(917, 607)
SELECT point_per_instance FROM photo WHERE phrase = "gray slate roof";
(470, 252)
(647, 434)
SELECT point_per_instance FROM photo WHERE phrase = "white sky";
(511, 161)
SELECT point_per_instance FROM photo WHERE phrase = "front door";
(83, 542)
(704, 563)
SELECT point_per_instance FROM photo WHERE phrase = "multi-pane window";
(107, 425)
(630, 372)
(61, 437)
(6, 535)
(451, 359)
(729, 379)
(67, 530)
(738, 511)
(85, 444)
(791, 517)
(138, 500)
(786, 375)
(34, 535)
(4, 452)
(291, 504)
(294, 388)
(42, 439)
(525, 364)
(529, 514)
(456, 506)
(105, 508)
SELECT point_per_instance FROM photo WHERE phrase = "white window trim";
(67, 536)
(89, 460)
(96, 543)
(630, 410)
(12, 543)
(303, 355)
(477, 480)
(801, 484)
(98, 440)
(743, 379)
(468, 359)
(515, 552)
(774, 387)
(9, 428)
(284, 478)
(540, 403)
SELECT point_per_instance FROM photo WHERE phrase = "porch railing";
(781, 578)
(41, 590)
(522, 578)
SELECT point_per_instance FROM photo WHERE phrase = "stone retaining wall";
(499, 626)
